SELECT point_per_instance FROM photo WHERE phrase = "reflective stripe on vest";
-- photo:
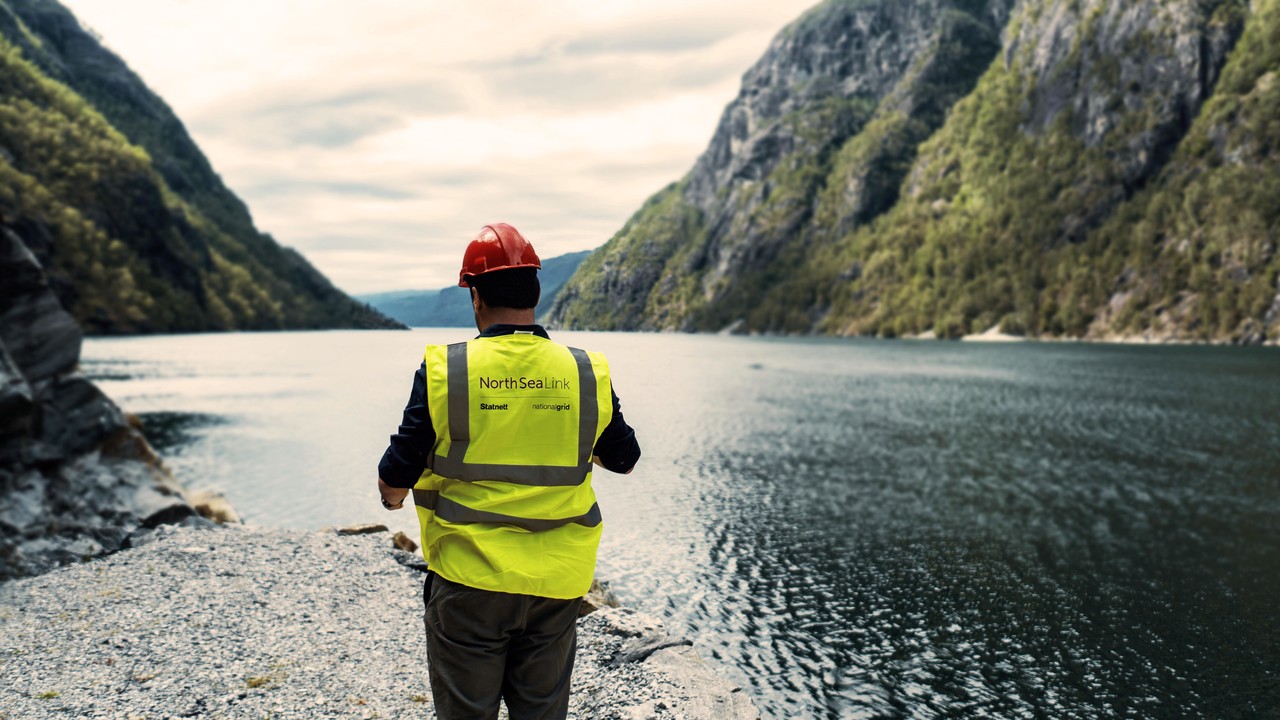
(456, 467)
(453, 512)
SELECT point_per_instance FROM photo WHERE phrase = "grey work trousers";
(485, 646)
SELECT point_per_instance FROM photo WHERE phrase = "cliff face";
(893, 168)
(136, 231)
(817, 140)
(76, 479)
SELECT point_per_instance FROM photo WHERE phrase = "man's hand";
(596, 459)
(392, 497)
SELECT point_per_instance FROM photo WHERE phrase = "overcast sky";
(377, 137)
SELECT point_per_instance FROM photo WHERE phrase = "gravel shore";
(242, 622)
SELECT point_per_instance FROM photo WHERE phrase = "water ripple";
(851, 529)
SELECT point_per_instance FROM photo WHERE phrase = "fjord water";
(848, 529)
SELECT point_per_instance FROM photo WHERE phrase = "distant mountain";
(451, 306)
(1053, 168)
(133, 227)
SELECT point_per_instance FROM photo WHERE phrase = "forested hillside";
(135, 230)
(1053, 168)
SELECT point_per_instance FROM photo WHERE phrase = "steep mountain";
(1084, 168)
(451, 306)
(136, 231)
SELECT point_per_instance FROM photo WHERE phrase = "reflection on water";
(169, 432)
(849, 529)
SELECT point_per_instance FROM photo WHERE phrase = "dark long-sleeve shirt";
(406, 456)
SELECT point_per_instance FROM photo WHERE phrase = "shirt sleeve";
(617, 447)
(406, 456)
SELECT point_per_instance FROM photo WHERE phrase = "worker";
(497, 445)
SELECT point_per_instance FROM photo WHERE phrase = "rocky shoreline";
(240, 622)
(77, 478)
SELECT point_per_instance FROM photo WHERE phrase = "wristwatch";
(389, 506)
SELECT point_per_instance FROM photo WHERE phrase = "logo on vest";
(494, 406)
(524, 383)
(557, 407)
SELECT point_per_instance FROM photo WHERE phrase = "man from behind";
(497, 445)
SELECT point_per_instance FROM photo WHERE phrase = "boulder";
(599, 596)
(402, 542)
(16, 400)
(41, 337)
(213, 505)
(76, 479)
(77, 417)
(367, 529)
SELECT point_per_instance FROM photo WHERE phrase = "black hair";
(512, 288)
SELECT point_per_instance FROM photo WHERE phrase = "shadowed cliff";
(135, 230)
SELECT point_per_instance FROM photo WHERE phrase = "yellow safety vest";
(506, 502)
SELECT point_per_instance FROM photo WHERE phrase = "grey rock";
(42, 338)
(159, 502)
(639, 649)
(1088, 63)
(16, 399)
(140, 537)
(194, 522)
(839, 50)
(23, 452)
(413, 561)
(24, 502)
(77, 417)
(76, 480)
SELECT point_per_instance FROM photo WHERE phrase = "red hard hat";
(496, 247)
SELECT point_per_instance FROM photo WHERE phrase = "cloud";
(567, 84)
(309, 188)
(324, 117)
(377, 137)
(664, 35)
(420, 233)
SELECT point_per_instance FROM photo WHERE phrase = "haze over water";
(848, 529)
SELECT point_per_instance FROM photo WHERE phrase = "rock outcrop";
(76, 478)
(1078, 168)
(822, 131)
